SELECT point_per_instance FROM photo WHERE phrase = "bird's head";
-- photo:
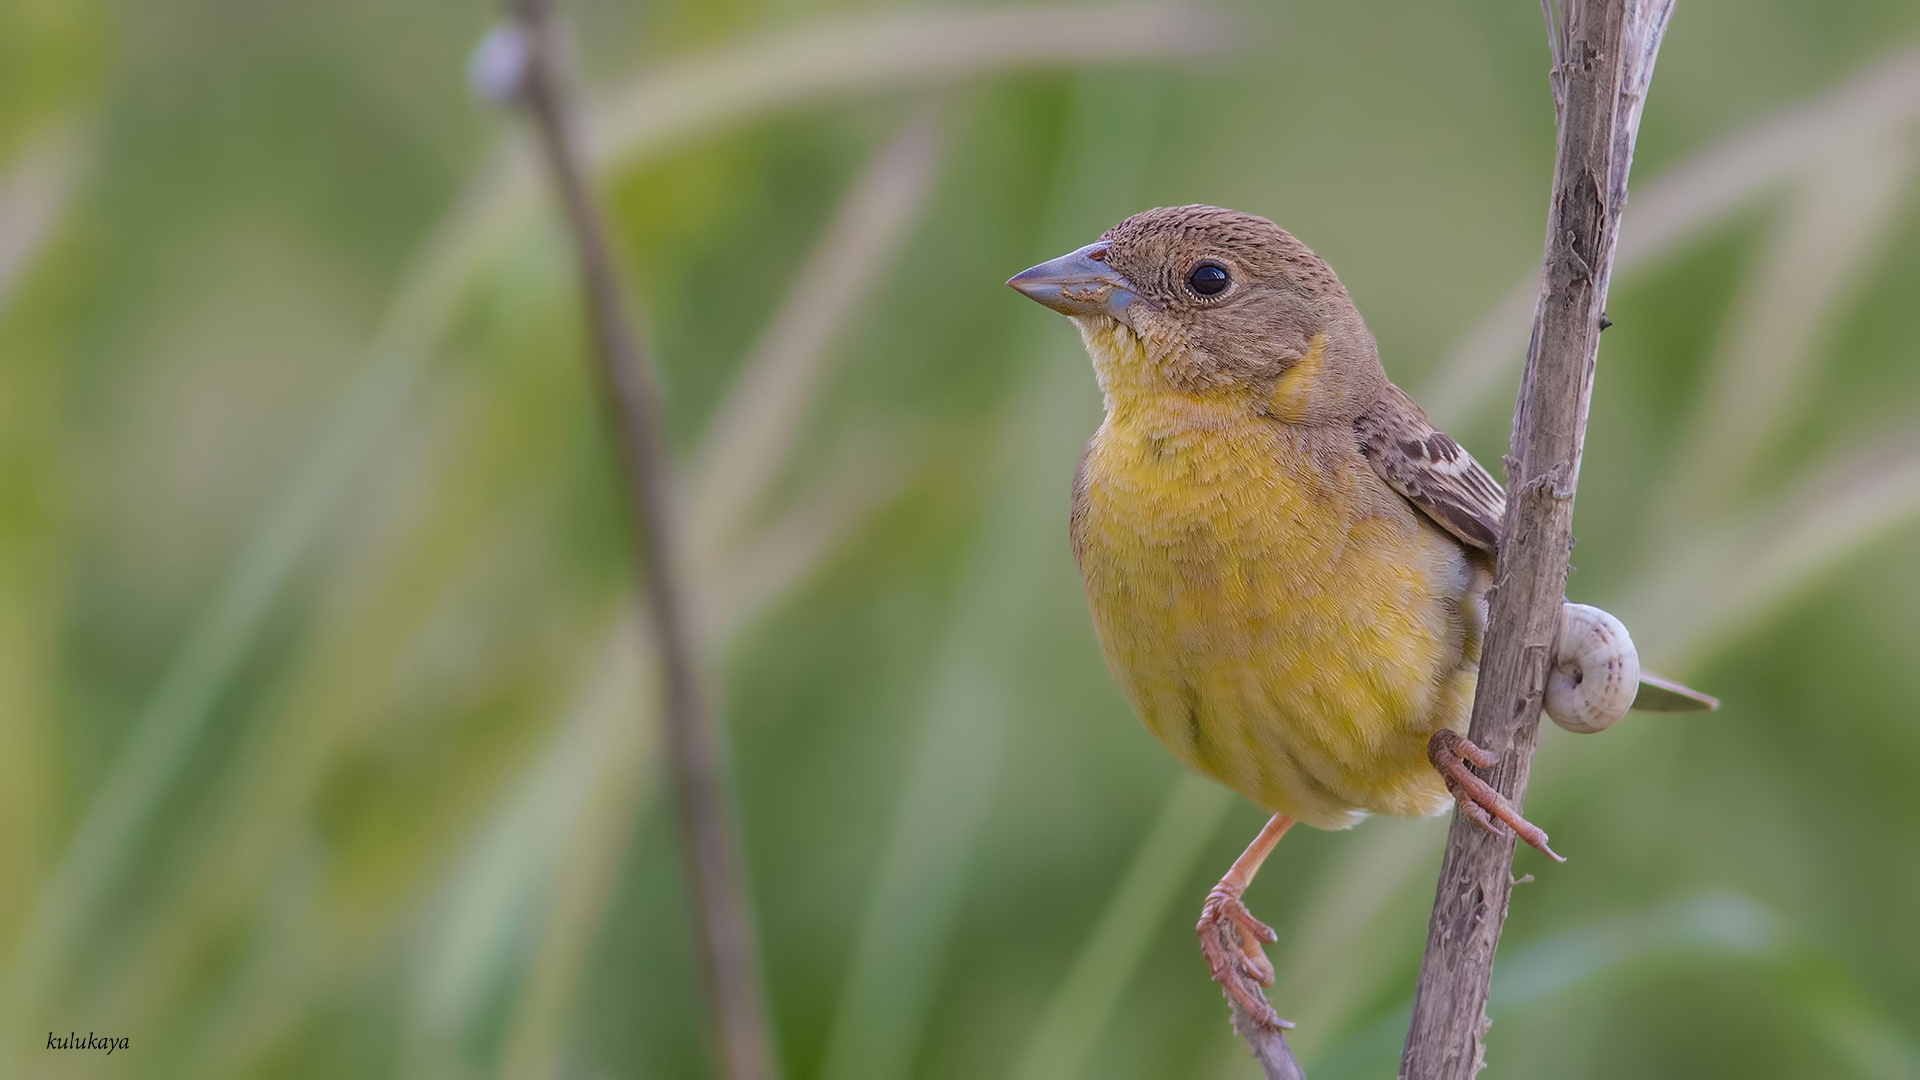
(1198, 301)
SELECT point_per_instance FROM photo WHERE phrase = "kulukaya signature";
(89, 1041)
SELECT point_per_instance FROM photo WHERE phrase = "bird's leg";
(1230, 937)
(1450, 752)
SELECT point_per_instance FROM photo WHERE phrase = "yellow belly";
(1295, 632)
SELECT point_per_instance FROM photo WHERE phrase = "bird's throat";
(1120, 361)
(1141, 389)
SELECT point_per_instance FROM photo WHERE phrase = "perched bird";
(1286, 562)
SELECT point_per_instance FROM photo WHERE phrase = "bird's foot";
(1231, 940)
(1450, 753)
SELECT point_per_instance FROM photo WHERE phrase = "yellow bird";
(1287, 564)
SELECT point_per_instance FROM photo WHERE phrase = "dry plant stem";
(1604, 54)
(709, 840)
(1268, 1043)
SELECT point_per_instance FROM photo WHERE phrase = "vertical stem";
(709, 840)
(1603, 60)
(1266, 1043)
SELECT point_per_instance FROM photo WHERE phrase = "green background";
(325, 748)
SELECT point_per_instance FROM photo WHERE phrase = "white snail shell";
(1596, 674)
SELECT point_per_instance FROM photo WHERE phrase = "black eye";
(1208, 279)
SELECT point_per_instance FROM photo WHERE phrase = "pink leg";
(1231, 938)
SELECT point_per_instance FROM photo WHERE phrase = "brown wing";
(1431, 470)
(1436, 475)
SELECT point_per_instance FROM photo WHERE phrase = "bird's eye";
(1208, 279)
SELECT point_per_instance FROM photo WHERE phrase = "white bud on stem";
(1596, 674)
(498, 65)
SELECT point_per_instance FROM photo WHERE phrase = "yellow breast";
(1280, 619)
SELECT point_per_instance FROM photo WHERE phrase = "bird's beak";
(1079, 283)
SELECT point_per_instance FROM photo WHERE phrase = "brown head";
(1219, 302)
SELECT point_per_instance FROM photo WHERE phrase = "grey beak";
(1079, 283)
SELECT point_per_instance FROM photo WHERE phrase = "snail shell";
(1596, 674)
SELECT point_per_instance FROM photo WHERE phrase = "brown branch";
(709, 840)
(1604, 52)
(1267, 1043)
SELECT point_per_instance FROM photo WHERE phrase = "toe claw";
(1254, 929)
(1478, 815)
(1259, 970)
(1477, 799)
(1231, 940)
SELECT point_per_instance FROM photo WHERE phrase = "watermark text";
(73, 1040)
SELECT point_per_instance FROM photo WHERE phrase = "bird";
(1286, 562)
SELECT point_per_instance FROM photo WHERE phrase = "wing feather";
(1431, 470)
(1434, 474)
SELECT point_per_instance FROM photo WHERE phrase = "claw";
(1231, 940)
(1478, 815)
(1450, 753)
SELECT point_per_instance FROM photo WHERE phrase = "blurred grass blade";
(407, 590)
(524, 898)
(943, 797)
(33, 196)
(1840, 217)
(897, 961)
(483, 919)
(1854, 1026)
(892, 49)
(658, 109)
(916, 895)
(170, 726)
(1718, 924)
(1723, 581)
(753, 431)
(752, 435)
(1721, 922)
(1679, 206)
(763, 413)
(769, 563)
(1163, 863)
(37, 530)
(1719, 180)
(1472, 371)
(584, 875)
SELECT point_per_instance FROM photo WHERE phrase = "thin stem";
(1607, 54)
(709, 838)
(1267, 1043)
